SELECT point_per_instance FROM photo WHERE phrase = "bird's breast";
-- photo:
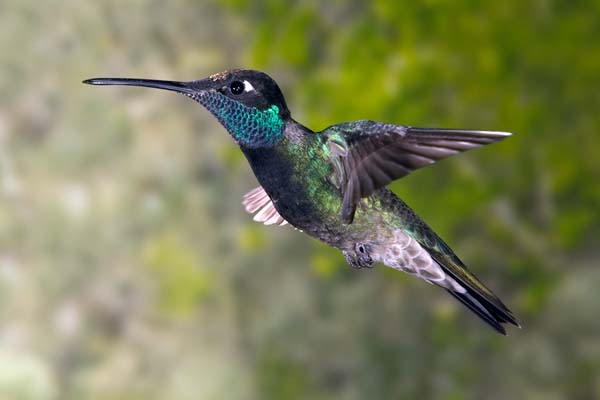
(297, 179)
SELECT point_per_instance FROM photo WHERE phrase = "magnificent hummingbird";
(332, 184)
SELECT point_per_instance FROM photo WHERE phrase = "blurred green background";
(129, 270)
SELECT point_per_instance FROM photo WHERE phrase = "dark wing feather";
(373, 154)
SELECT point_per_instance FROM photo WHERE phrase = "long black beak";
(181, 87)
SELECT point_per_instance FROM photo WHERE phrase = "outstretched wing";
(368, 155)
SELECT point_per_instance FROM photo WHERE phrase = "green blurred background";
(129, 270)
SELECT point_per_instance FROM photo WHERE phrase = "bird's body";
(300, 181)
(331, 184)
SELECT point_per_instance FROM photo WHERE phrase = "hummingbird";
(332, 184)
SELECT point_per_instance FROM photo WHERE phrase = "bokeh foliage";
(128, 268)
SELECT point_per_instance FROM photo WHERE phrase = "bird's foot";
(359, 257)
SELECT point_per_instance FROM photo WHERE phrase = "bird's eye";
(236, 87)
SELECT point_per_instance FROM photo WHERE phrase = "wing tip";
(484, 133)
(496, 133)
(347, 214)
(257, 202)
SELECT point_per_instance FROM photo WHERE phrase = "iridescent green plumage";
(331, 184)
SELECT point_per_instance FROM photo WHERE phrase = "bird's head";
(248, 103)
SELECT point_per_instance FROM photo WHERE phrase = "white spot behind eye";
(248, 86)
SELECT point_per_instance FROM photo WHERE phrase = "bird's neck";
(276, 165)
